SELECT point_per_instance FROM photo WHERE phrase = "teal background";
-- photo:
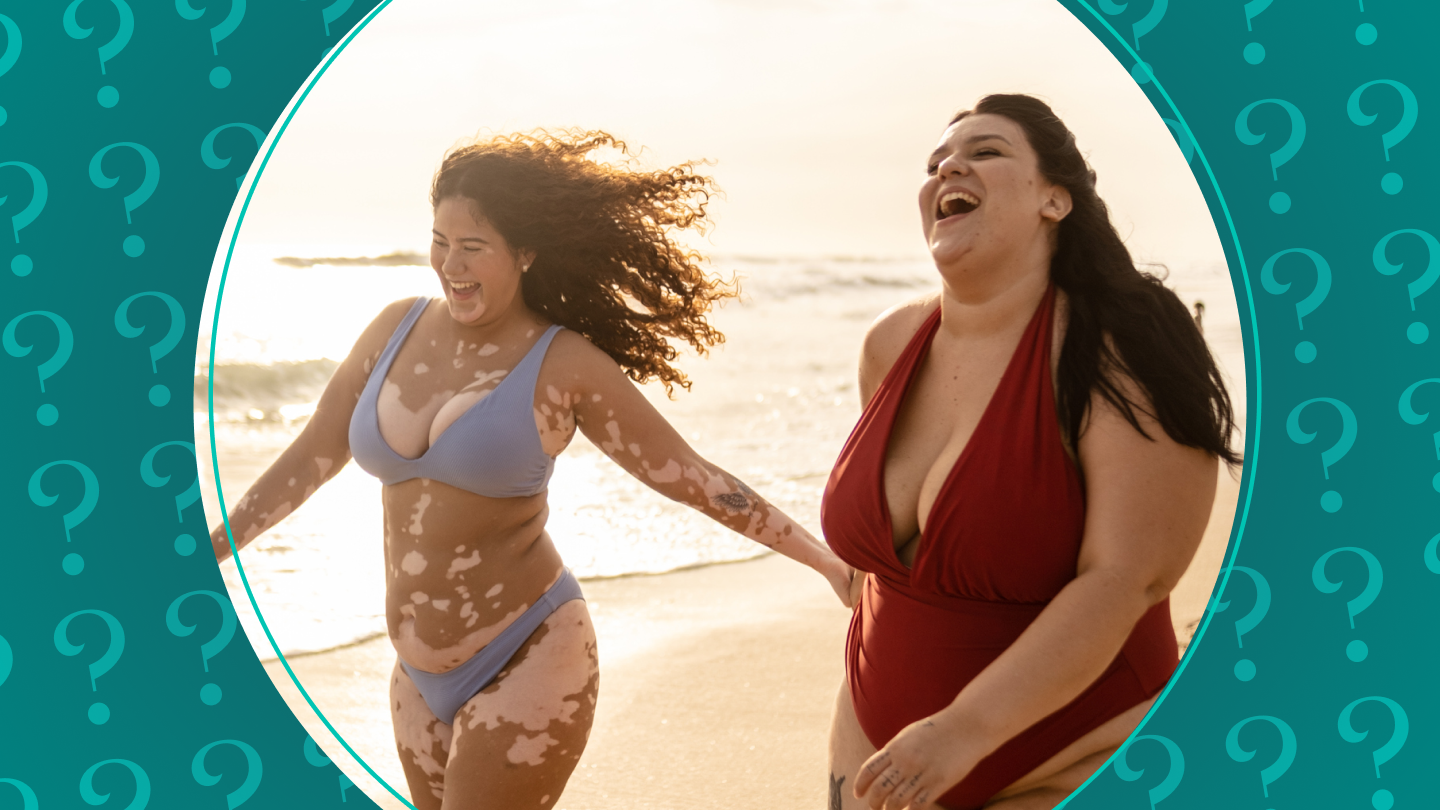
(134, 569)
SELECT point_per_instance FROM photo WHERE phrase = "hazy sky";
(818, 116)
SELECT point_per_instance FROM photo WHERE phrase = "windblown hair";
(1121, 320)
(605, 265)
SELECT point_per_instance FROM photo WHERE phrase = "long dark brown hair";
(605, 264)
(1121, 320)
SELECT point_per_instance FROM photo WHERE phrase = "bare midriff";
(460, 568)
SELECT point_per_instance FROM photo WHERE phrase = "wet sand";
(716, 685)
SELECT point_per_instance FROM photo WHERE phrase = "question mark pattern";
(103, 600)
(1292, 103)
(1245, 669)
(1381, 799)
(314, 756)
(159, 394)
(210, 693)
(1356, 650)
(220, 75)
(1282, 143)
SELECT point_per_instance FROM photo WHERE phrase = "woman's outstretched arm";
(607, 407)
(321, 449)
(1147, 503)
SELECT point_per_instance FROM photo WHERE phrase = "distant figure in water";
(1200, 316)
(560, 287)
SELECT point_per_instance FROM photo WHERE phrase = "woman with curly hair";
(560, 280)
(1032, 473)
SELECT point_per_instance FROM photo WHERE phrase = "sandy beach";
(716, 685)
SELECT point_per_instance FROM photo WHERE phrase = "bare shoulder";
(1115, 454)
(573, 360)
(383, 326)
(887, 338)
(570, 348)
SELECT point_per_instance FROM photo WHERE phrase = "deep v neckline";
(932, 325)
(385, 376)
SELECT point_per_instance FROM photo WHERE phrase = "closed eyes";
(934, 166)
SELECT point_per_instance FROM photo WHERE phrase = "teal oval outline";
(329, 58)
(1252, 390)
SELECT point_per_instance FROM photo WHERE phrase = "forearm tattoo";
(739, 502)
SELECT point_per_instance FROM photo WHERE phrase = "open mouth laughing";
(463, 288)
(954, 203)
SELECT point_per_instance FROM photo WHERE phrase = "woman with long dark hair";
(1032, 473)
(560, 281)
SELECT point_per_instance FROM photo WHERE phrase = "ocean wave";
(400, 258)
(269, 392)
(779, 279)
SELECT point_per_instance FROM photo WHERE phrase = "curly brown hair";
(605, 265)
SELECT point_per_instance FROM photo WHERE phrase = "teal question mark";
(99, 712)
(1416, 332)
(1304, 350)
(1382, 799)
(21, 265)
(108, 95)
(46, 414)
(1141, 71)
(1279, 201)
(142, 785)
(1391, 183)
(1365, 33)
(1432, 558)
(1412, 417)
(73, 563)
(247, 788)
(333, 12)
(159, 394)
(319, 760)
(27, 796)
(209, 693)
(1277, 768)
(1375, 577)
(214, 161)
(133, 244)
(1331, 500)
(1187, 146)
(12, 53)
(1254, 52)
(7, 660)
(184, 544)
(220, 76)
(1245, 668)
(1172, 777)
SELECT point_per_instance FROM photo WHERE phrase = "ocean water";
(772, 405)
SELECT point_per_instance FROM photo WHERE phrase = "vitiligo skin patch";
(517, 741)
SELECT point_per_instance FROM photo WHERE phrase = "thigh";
(422, 739)
(1052, 790)
(849, 748)
(516, 743)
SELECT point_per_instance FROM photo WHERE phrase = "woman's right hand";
(857, 588)
(847, 583)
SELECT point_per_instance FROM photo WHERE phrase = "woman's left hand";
(917, 767)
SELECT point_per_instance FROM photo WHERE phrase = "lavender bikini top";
(492, 449)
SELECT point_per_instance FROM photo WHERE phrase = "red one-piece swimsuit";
(1002, 539)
